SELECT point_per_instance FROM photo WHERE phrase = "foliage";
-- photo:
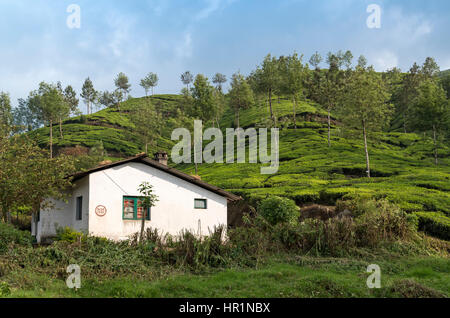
(67, 234)
(279, 210)
(10, 235)
(434, 223)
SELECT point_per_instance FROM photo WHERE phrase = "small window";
(133, 210)
(200, 204)
(79, 209)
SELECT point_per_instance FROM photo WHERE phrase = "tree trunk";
(435, 146)
(329, 128)
(404, 123)
(238, 118)
(144, 217)
(270, 106)
(365, 149)
(60, 128)
(146, 147)
(51, 139)
(294, 104)
(217, 121)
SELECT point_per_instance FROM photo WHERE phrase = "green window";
(200, 204)
(133, 210)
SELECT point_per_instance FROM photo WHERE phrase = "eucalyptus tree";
(431, 111)
(330, 86)
(149, 82)
(6, 115)
(293, 77)
(89, 94)
(267, 79)
(240, 95)
(52, 105)
(364, 102)
(219, 79)
(187, 78)
(122, 85)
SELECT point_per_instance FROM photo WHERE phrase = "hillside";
(310, 172)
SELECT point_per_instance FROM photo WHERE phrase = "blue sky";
(204, 36)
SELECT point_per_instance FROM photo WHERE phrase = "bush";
(9, 234)
(435, 224)
(69, 235)
(279, 210)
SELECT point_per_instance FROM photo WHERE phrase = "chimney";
(161, 157)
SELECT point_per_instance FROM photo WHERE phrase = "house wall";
(64, 214)
(173, 212)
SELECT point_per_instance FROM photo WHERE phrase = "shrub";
(66, 234)
(279, 210)
(435, 224)
(9, 234)
(4, 289)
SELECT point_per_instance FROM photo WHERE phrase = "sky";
(169, 37)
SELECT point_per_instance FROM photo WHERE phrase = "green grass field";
(277, 277)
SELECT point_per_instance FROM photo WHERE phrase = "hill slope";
(402, 165)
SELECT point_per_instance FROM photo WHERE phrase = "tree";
(364, 104)
(25, 117)
(71, 99)
(330, 85)
(148, 200)
(6, 116)
(315, 60)
(52, 105)
(430, 68)
(122, 85)
(187, 78)
(69, 107)
(149, 82)
(146, 122)
(431, 111)
(293, 77)
(110, 99)
(240, 94)
(362, 62)
(89, 94)
(407, 93)
(267, 78)
(219, 79)
(314, 78)
(28, 177)
(203, 106)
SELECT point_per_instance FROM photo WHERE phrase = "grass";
(277, 277)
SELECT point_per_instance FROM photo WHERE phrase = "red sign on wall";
(100, 210)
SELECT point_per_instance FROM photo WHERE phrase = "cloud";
(406, 28)
(184, 50)
(211, 7)
(384, 60)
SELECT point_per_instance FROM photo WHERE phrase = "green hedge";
(435, 224)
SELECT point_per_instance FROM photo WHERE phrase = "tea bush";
(433, 223)
(279, 210)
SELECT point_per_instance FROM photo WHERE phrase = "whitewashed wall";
(63, 214)
(173, 212)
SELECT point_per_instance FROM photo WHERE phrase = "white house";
(105, 201)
